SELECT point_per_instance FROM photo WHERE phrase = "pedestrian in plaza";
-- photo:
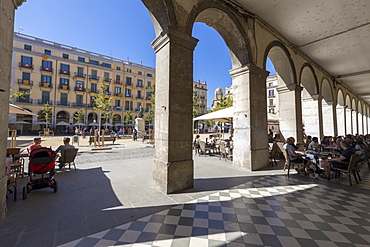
(36, 144)
(134, 134)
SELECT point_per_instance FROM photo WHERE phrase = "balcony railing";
(46, 84)
(117, 108)
(63, 86)
(25, 82)
(128, 83)
(128, 109)
(26, 101)
(139, 97)
(128, 95)
(139, 85)
(118, 82)
(94, 77)
(108, 93)
(94, 91)
(80, 75)
(43, 102)
(148, 98)
(26, 65)
(80, 89)
(91, 105)
(64, 72)
(47, 69)
(118, 94)
(78, 105)
(109, 80)
(63, 103)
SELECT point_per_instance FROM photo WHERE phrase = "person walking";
(134, 134)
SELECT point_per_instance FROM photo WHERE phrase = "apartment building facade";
(200, 92)
(67, 78)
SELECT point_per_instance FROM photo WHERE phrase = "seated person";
(295, 155)
(360, 148)
(212, 141)
(314, 145)
(270, 138)
(36, 144)
(336, 162)
(66, 145)
(196, 141)
(325, 142)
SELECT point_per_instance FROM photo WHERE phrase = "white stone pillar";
(348, 121)
(250, 117)
(173, 168)
(291, 111)
(341, 120)
(354, 122)
(310, 115)
(328, 118)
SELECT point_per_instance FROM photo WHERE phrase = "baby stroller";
(42, 162)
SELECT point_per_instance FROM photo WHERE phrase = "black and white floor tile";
(269, 211)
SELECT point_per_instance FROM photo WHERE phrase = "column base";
(171, 177)
(2, 197)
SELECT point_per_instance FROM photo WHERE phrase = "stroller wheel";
(25, 193)
(55, 186)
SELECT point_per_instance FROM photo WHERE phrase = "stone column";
(311, 110)
(335, 120)
(250, 117)
(7, 8)
(291, 111)
(173, 168)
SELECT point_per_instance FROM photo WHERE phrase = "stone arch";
(224, 21)
(117, 118)
(62, 115)
(341, 113)
(161, 13)
(308, 80)
(283, 63)
(327, 104)
(91, 117)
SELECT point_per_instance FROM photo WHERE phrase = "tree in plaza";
(21, 95)
(150, 116)
(224, 101)
(102, 103)
(128, 117)
(195, 104)
(47, 113)
(79, 116)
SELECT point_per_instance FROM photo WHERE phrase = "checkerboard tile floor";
(269, 211)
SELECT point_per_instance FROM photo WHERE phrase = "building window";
(106, 76)
(118, 68)
(28, 47)
(270, 84)
(117, 102)
(128, 92)
(128, 70)
(63, 98)
(128, 105)
(26, 61)
(138, 104)
(271, 102)
(64, 68)
(94, 62)
(140, 73)
(92, 101)
(149, 75)
(139, 83)
(80, 71)
(26, 77)
(45, 79)
(271, 93)
(107, 65)
(79, 100)
(45, 97)
(149, 84)
(94, 88)
(118, 78)
(81, 59)
(128, 81)
(139, 95)
(65, 56)
(47, 52)
(117, 91)
(148, 95)
(80, 84)
(47, 65)
(26, 98)
(148, 106)
(64, 81)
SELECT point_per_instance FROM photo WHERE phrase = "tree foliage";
(47, 111)
(102, 103)
(195, 104)
(79, 116)
(150, 116)
(225, 101)
(128, 117)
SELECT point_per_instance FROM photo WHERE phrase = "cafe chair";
(289, 163)
(203, 148)
(351, 169)
(223, 152)
(273, 154)
(68, 158)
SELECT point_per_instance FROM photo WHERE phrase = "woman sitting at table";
(295, 155)
(314, 145)
(325, 142)
(337, 162)
(360, 149)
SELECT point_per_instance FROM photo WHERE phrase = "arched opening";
(341, 113)
(92, 117)
(360, 118)
(354, 117)
(288, 109)
(327, 108)
(63, 116)
(24, 128)
(310, 113)
(349, 129)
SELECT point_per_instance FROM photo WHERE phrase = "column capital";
(249, 68)
(288, 88)
(174, 36)
(18, 3)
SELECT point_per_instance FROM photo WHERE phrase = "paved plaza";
(111, 201)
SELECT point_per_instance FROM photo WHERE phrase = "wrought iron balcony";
(63, 103)
(78, 105)
(79, 75)
(26, 101)
(118, 94)
(117, 108)
(43, 102)
(46, 84)
(63, 86)
(25, 82)
(26, 65)
(139, 85)
(80, 89)
(94, 77)
(128, 83)
(47, 69)
(109, 80)
(94, 91)
(139, 97)
(64, 72)
(118, 82)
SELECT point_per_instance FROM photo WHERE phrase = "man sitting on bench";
(66, 145)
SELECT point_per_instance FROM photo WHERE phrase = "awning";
(19, 110)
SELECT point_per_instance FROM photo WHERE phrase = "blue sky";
(122, 29)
